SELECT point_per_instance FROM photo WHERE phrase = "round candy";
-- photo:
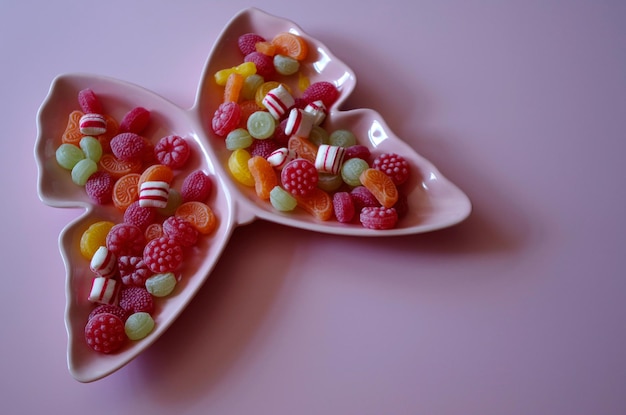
(238, 167)
(261, 125)
(342, 138)
(318, 135)
(68, 155)
(162, 284)
(329, 182)
(282, 200)
(352, 169)
(138, 325)
(299, 177)
(286, 65)
(238, 138)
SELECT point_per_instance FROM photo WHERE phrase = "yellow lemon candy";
(238, 166)
(245, 69)
(94, 237)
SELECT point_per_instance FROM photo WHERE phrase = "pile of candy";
(138, 259)
(280, 146)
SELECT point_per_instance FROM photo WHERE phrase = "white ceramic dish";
(434, 201)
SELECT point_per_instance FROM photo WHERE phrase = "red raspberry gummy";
(262, 148)
(136, 300)
(378, 217)
(140, 216)
(135, 121)
(89, 102)
(163, 254)
(322, 90)
(105, 333)
(247, 42)
(299, 177)
(109, 308)
(133, 270)
(99, 187)
(394, 166)
(264, 64)
(172, 151)
(362, 197)
(128, 146)
(343, 207)
(180, 230)
(196, 186)
(226, 118)
(125, 239)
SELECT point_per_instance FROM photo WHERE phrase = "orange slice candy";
(381, 186)
(264, 175)
(118, 168)
(233, 86)
(318, 203)
(72, 134)
(153, 231)
(125, 191)
(94, 237)
(303, 148)
(157, 173)
(199, 215)
(290, 44)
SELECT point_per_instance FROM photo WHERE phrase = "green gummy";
(91, 147)
(329, 182)
(83, 170)
(286, 65)
(352, 169)
(261, 125)
(138, 325)
(161, 285)
(68, 155)
(250, 85)
(238, 138)
(282, 200)
(342, 138)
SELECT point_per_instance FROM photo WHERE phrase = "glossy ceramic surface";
(434, 201)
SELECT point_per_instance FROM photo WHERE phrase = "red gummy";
(264, 64)
(128, 146)
(180, 230)
(172, 151)
(89, 102)
(196, 186)
(226, 118)
(262, 148)
(135, 121)
(357, 151)
(378, 217)
(343, 207)
(362, 198)
(125, 239)
(109, 308)
(140, 216)
(105, 333)
(299, 177)
(163, 255)
(136, 300)
(394, 166)
(321, 91)
(133, 270)
(99, 187)
(247, 42)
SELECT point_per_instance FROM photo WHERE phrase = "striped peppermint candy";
(104, 291)
(329, 158)
(278, 101)
(92, 124)
(103, 263)
(299, 123)
(154, 194)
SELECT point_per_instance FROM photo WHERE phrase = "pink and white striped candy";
(154, 194)
(278, 101)
(104, 263)
(329, 158)
(281, 156)
(104, 291)
(318, 110)
(92, 124)
(299, 123)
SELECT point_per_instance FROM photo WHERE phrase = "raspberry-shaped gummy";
(105, 333)
(180, 230)
(128, 146)
(264, 64)
(321, 91)
(378, 217)
(133, 270)
(362, 197)
(109, 308)
(140, 216)
(394, 166)
(262, 148)
(247, 42)
(99, 187)
(125, 239)
(173, 151)
(299, 177)
(136, 300)
(163, 254)
(226, 118)
(196, 186)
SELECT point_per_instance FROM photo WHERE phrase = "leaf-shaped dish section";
(57, 189)
(434, 202)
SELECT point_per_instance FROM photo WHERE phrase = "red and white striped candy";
(92, 124)
(154, 194)
(104, 262)
(329, 158)
(281, 156)
(318, 110)
(104, 291)
(278, 101)
(299, 123)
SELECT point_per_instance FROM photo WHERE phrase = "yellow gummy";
(94, 237)
(238, 166)
(303, 81)
(245, 69)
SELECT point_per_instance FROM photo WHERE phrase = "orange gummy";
(233, 86)
(290, 44)
(157, 173)
(381, 186)
(318, 203)
(118, 168)
(125, 191)
(303, 147)
(264, 175)
(266, 48)
(94, 237)
(199, 214)
(72, 134)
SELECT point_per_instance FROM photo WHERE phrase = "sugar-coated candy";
(172, 151)
(282, 200)
(247, 41)
(263, 147)
(278, 101)
(299, 177)
(153, 194)
(394, 166)
(91, 147)
(196, 186)
(286, 65)
(280, 157)
(317, 202)
(161, 284)
(108, 308)
(329, 158)
(264, 64)
(93, 124)
(163, 254)
(299, 123)
(343, 207)
(99, 187)
(104, 291)
(358, 151)
(138, 325)
(342, 137)
(180, 230)
(83, 170)
(318, 110)
(261, 125)
(89, 102)
(351, 171)
(128, 146)
(140, 216)
(103, 263)
(363, 198)
(199, 214)
(135, 121)
(226, 118)
(133, 270)
(136, 300)
(67, 155)
(378, 217)
(125, 239)
(381, 186)
(323, 91)
(105, 333)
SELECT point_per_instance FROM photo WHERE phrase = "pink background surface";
(518, 310)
